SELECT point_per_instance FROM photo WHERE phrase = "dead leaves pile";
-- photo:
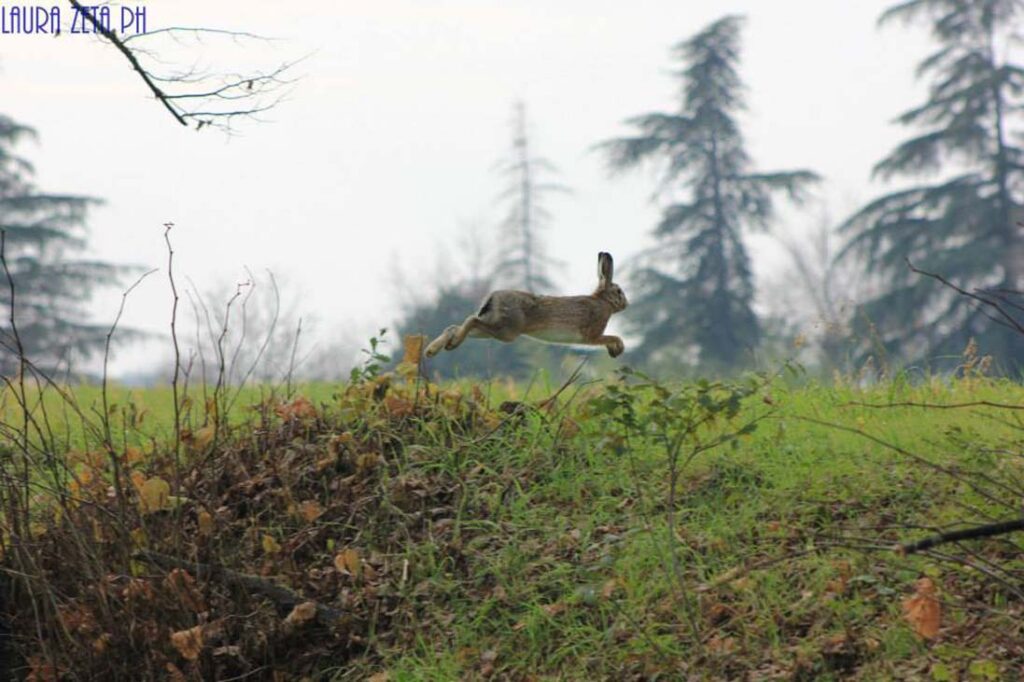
(309, 506)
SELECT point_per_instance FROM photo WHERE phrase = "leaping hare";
(506, 314)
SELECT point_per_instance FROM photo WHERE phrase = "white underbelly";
(557, 335)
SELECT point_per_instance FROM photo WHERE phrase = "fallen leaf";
(270, 545)
(101, 643)
(367, 462)
(138, 479)
(721, 645)
(609, 588)
(204, 436)
(299, 408)
(347, 561)
(188, 642)
(378, 677)
(40, 670)
(302, 613)
(206, 524)
(569, 427)
(922, 610)
(154, 495)
(174, 673)
(554, 609)
(487, 660)
(311, 510)
(398, 406)
(183, 585)
(412, 354)
(132, 455)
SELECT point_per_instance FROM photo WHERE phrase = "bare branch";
(206, 90)
(973, 533)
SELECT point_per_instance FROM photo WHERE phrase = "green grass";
(513, 545)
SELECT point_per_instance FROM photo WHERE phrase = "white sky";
(386, 146)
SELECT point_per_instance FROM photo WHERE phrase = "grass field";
(466, 532)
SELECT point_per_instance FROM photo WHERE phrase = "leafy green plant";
(375, 360)
(679, 422)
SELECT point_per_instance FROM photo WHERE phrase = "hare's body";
(505, 315)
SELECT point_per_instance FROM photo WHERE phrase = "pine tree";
(962, 223)
(694, 295)
(41, 233)
(525, 264)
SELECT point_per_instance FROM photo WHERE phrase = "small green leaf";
(983, 670)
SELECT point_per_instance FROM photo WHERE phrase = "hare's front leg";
(613, 344)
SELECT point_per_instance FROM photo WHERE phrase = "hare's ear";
(604, 269)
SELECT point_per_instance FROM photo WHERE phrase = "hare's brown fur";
(506, 314)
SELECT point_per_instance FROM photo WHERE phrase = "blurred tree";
(41, 234)
(813, 297)
(525, 264)
(693, 296)
(962, 225)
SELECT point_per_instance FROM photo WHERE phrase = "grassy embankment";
(440, 536)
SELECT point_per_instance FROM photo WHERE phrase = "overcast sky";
(385, 148)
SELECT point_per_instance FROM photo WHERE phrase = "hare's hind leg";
(478, 328)
(441, 342)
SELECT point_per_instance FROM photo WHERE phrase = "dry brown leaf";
(102, 643)
(183, 585)
(609, 587)
(205, 520)
(138, 590)
(327, 462)
(379, 677)
(154, 495)
(302, 613)
(922, 610)
(487, 660)
(299, 408)
(554, 609)
(413, 347)
(41, 670)
(397, 406)
(188, 642)
(78, 618)
(132, 455)
(174, 673)
(204, 436)
(721, 645)
(138, 479)
(211, 408)
(270, 545)
(347, 561)
(311, 510)
(368, 461)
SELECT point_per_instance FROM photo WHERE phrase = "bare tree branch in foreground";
(195, 96)
(973, 533)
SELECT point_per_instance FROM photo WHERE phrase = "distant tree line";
(693, 293)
